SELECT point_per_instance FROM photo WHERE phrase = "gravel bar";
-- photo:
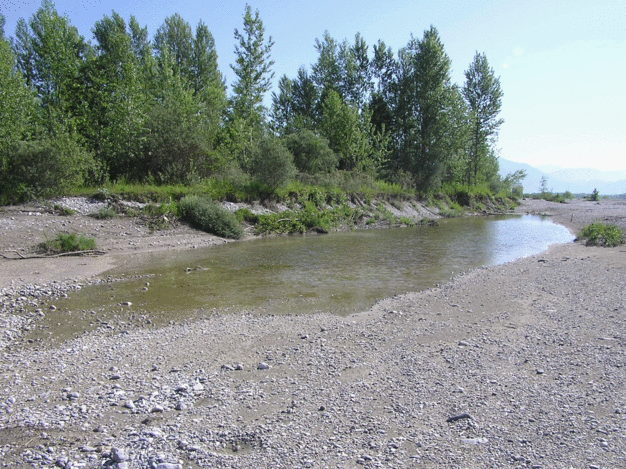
(515, 366)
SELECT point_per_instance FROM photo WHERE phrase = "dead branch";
(93, 252)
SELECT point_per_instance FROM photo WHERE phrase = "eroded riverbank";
(529, 355)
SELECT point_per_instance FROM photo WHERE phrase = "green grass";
(64, 211)
(602, 234)
(105, 213)
(65, 242)
(309, 218)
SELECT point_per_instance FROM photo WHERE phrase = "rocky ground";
(520, 365)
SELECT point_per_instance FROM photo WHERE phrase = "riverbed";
(514, 365)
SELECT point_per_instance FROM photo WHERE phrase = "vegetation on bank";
(295, 208)
(602, 234)
(154, 116)
(67, 242)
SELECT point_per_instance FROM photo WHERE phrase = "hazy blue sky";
(562, 64)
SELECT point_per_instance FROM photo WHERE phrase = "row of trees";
(125, 107)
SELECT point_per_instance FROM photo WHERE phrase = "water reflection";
(339, 272)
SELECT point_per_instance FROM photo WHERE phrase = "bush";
(311, 153)
(270, 163)
(245, 214)
(105, 213)
(45, 168)
(602, 234)
(63, 211)
(65, 242)
(209, 216)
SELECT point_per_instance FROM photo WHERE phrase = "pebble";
(387, 383)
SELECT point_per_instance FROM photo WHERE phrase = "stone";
(130, 405)
(263, 366)
(118, 455)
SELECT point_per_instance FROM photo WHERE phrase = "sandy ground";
(520, 365)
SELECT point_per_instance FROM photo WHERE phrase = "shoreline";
(516, 365)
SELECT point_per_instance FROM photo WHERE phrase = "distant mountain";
(577, 181)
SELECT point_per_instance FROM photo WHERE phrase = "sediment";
(518, 365)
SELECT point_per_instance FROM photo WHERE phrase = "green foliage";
(595, 195)
(453, 211)
(311, 153)
(45, 168)
(510, 185)
(246, 215)
(602, 234)
(65, 242)
(483, 95)
(424, 97)
(63, 211)
(348, 134)
(253, 68)
(271, 164)
(50, 55)
(105, 213)
(309, 218)
(209, 216)
(16, 102)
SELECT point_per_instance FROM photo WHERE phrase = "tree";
(175, 36)
(344, 68)
(17, 104)
(424, 96)
(115, 97)
(483, 95)
(282, 114)
(179, 146)
(295, 106)
(50, 55)
(253, 68)
(543, 186)
(194, 59)
(384, 69)
(351, 135)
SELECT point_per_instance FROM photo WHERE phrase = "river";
(340, 272)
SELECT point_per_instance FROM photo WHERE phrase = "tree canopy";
(158, 110)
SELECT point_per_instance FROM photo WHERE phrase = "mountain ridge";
(575, 180)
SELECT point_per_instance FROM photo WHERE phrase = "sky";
(561, 64)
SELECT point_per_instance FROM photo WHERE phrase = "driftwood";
(93, 252)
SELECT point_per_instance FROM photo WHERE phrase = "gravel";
(519, 365)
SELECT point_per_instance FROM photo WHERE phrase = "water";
(339, 272)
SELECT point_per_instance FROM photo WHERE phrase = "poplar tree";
(116, 96)
(423, 107)
(483, 95)
(50, 53)
(253, 68)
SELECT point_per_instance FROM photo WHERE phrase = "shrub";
(602, 234)
(65, 242)
(270, 163)
(45, 168)
(105, 213)
(245, 214)
(64, 211)
(311, 153)
(209, 216)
